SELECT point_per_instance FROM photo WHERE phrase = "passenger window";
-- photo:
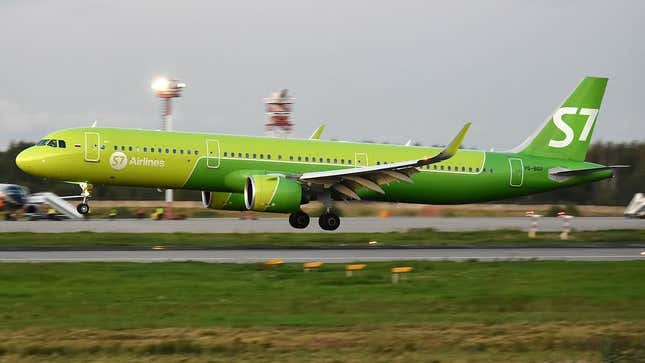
(434, 167)
(196, 152)
(159, 150)
(145, 149)
(167, 151)
(342, 161)
(349, 161)
(52, 143)
(246, 155)
(61, 144)
(269, 156)
(188, 151)
(255, 156)
(448, 167)
(174, 151)
(335, 161)
(261, 156)
(441, 167)
(130, 148)
(484, 170)
(470, 169)
(122, 148)
(239, 155)
(225, 154)
(181, 151)
(320, 160)
(306, 158)
(378, 163)
(115, 147)
(137, 149)
(279, 157)
(477, 170)
(491, 170)
(152, 149)
(328, 161)
(299, 158)
(291, 157)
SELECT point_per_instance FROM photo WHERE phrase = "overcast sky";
(370, 70)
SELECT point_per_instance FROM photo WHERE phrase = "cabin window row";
(306, 159)
(157, 150)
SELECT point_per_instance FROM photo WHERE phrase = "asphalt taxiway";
(328, 255)
(277, 225)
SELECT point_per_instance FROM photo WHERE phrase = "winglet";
(317, 133)
(450, 150)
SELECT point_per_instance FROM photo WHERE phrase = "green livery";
(279, 175)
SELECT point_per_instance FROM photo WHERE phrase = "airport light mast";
(166, 90)
(278, 109)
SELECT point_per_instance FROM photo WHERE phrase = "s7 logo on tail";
(591, 114)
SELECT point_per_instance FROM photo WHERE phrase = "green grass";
(444, 312)
(199, 294)
(411, 238)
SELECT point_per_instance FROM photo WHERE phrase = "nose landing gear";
(84, 208)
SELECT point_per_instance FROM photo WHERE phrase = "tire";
(329, 221)
(299, 220)
(83, 208)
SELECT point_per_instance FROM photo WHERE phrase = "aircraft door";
(212, 153)
(92, 146)
(360, 160)
(517, 172)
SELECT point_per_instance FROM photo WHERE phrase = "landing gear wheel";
(299, 220)
(83, 208)
(329, 221)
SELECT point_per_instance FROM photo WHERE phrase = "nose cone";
(26, 161)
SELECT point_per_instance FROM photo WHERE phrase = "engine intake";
(272, 193)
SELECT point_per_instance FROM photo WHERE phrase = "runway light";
(373, 242)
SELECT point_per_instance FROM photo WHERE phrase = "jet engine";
(273, 193)
(223, 201)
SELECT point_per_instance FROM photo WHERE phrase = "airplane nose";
(25, 161)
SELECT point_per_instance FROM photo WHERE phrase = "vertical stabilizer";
(567, 132)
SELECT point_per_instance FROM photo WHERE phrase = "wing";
(348, 181)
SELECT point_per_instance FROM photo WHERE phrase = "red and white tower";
(278, 109)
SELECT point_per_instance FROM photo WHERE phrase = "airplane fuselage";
(215, 162)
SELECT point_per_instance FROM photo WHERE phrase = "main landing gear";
(299, 220)
(327, 221)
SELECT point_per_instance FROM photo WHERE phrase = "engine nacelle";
(272, 193)
(223, 201)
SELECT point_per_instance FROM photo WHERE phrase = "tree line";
(616, 191)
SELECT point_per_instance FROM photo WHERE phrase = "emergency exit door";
(517, 172)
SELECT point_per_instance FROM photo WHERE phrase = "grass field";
(444, 312)
(221, 240)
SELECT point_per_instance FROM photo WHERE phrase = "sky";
(383, 71)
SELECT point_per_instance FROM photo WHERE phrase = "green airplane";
(279, 175)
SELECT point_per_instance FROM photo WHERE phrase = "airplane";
(279, 175)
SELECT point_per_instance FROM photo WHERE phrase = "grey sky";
(371, 70)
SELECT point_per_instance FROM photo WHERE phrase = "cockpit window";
(42, 142)
(61, 144)
(52, 143)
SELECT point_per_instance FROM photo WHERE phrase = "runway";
(280, 225)
(329, 255)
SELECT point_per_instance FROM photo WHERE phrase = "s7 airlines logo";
(591, 114)
(118, 161)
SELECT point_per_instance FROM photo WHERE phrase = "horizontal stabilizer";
(585, 171)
